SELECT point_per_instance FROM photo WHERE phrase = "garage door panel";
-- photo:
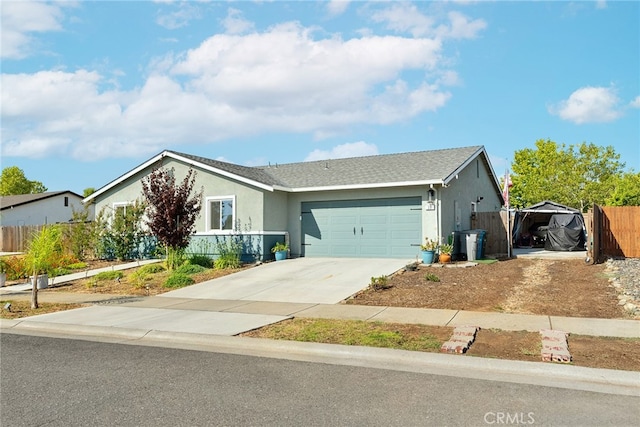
(383, 228)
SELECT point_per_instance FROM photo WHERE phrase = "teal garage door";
(377, 228)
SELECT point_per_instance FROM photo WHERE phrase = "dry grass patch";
(21, 309)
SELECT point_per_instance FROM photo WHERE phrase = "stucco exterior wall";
(48, 211)
(248, 200)
(462, 194)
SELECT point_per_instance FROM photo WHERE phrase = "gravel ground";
(625, 277)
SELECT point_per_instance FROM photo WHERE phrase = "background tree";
(88, 191)
(172, 210)
(576, 176)
(626, 191)
(13, 182)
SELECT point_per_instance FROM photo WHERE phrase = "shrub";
(178, 280)
(60, 271)
(77, 266)
(202, 260)
(190, 269)
(379, 283)
(229, 253)
(16, 268)
(139, 278)
(430, 277)
(151, 269)
(109, 275)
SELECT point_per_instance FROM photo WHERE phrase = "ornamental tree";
(172, 210)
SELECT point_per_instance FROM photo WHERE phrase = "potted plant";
(445, 253)
(428, 250)
(280, 250)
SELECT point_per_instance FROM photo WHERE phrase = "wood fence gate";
(615, 232)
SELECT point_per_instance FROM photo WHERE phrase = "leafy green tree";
(626, 191)
(121, 231)
(172, 210)
(81, 236)
(576, 176)
(13, 182)
(88, 191)
(41, 250)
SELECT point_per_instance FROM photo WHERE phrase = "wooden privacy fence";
(615, 231)
(495, 224)
(15, 238)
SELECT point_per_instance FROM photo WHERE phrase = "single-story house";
(39, 209)
(374, 206)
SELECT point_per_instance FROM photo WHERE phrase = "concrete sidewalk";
(180, 315)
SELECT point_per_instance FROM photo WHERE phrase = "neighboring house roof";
(389, 170)
(547, 206)
(8, 202)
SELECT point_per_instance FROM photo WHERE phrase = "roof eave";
(364, 186)
(167, 153)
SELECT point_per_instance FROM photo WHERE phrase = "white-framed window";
(221, 213)
(120, 208)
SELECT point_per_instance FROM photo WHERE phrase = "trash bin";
(472, 245)
(482, 243)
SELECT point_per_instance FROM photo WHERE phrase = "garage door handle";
(354, 231)
(361, 231)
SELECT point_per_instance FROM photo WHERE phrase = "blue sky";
(92, 89)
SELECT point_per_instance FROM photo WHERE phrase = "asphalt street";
(64, 382)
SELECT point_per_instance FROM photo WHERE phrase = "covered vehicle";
(565, 233)
(551, 226)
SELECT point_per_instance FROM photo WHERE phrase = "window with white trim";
(221, 213)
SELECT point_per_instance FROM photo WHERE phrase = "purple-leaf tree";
(171, 210)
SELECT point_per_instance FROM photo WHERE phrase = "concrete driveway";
(301, 280)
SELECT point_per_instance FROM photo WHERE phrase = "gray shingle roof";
(422, 166)
(435, 166)
(7, 201)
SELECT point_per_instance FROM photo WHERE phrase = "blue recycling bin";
(482, 243)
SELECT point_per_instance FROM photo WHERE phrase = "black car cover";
(565, 233)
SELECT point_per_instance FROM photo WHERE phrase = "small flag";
(507, 185)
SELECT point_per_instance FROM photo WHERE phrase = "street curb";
(535, 373)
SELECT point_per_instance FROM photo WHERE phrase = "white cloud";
(234, 23)
(180, 16)
(601, 4)
(352, 149)
(405, 17)
(337, 7)
(589, 105)
(635, 103)
(22, 19)
(229, 86)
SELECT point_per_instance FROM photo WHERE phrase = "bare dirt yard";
(530, 286)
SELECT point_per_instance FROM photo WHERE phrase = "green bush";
(190, 269)
(430, 277)
(60, 271)
(178, 280)
(77, 266)
(152, 268)
(379, 283)
(202, 260)
(109, 275)
(229, 254)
